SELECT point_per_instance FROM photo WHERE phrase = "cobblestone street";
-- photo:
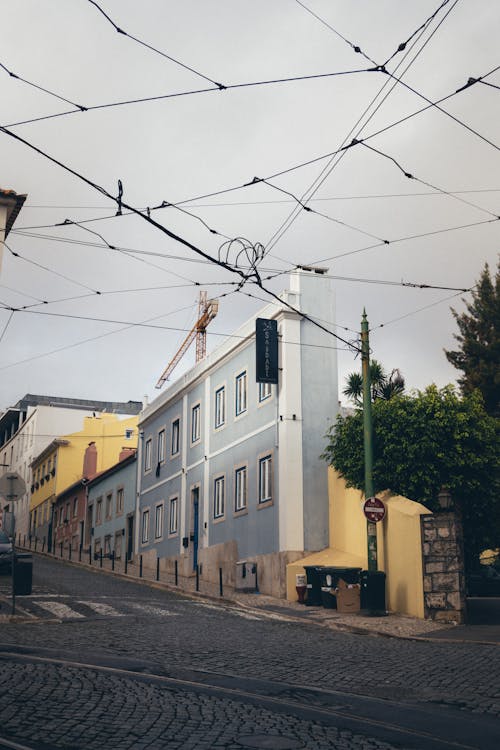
(137, 667)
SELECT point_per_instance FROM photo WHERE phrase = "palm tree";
(382, 385)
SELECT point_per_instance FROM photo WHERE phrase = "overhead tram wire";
(6, 325)
(327, 170)
(121, 31)
(78, 107)
(146, 217)
(174, 95)
(355, 47)
(288, 170)
(402, 46)
(414, 312)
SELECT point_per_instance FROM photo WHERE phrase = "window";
(172, 522)
(265, 479)
(107, 545)
(109, 500)
(240, 488)
(161, 446)
(264, 391)
(145, 526)
(119, 500)
(175, 437)
(159, 521)
(128, 434)
(147, 455)
(220, 406)
(195, 423)
(241, 393)
(98, 511)
(66, 514)
(219, 497)
(75, 507)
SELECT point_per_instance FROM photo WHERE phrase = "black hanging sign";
(266, 350)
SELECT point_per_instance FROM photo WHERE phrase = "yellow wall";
(398, 545)
(107, 431)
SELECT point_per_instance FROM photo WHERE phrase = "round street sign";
(374, 509)
(12, 485)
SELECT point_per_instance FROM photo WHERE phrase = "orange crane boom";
(207, 310)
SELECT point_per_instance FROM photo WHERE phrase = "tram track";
(414, 726)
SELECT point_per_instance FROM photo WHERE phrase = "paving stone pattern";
(80, 708)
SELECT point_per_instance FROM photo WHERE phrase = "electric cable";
(355, 47)
(78, 107)
(422, 27)
(414, 312)
(6, 325)
(191, 92)
(147, 217)
(153, 49)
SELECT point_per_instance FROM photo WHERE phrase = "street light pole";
(371, 527)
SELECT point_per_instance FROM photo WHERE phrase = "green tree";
(424, 441)
(383, 386)
(478, 355)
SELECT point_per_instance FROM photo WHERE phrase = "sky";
(96, 308)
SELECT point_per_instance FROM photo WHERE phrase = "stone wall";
(443, 567)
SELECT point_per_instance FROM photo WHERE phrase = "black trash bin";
(373, 591)
(23, 574)
(313, 574)
(330, 575)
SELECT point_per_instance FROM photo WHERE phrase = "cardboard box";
(348, 597)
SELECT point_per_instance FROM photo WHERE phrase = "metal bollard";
(69, 552)
(157, 568)
(140, 566)
(36, 540)
(113, 560)
(100, 558)
(24, 545)
(80, 554)
(61, 545)
(126, 562)
(90, 554)
(220, 583)
(176, 573)
(43, 544)
(197, 578)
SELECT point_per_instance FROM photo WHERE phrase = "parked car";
(5, 553)
(485, 581)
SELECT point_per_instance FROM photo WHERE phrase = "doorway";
(195, 504)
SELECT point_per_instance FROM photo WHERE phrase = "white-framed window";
(109, 504)
(240, 404)
(264, 391)
(159, 521)
(119, 500)
(265, 479)
(240, 488)
(129, 433)
(195, 423)
(220, 407)
(219, 483)
(147, 454)
(172, 518)
(98, 511)
(161, 446)
(75, 507)
(145, 527)
(176, 429)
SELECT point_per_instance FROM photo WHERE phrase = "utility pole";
(371, 527)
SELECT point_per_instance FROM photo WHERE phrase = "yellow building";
(61, 463)
(399, 545)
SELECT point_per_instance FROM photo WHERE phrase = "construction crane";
(207, 310)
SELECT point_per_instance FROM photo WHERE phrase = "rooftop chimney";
(90, 460)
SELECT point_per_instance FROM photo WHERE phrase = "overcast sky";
(180, 148)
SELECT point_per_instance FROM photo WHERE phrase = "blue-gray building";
(111, 505)
(230, 469)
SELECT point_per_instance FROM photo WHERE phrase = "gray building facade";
(229, 469)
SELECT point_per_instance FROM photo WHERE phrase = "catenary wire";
(414, 312)
(401, 47)
(78, 107)
(4, 330)
(334, 161)
(121, 31)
